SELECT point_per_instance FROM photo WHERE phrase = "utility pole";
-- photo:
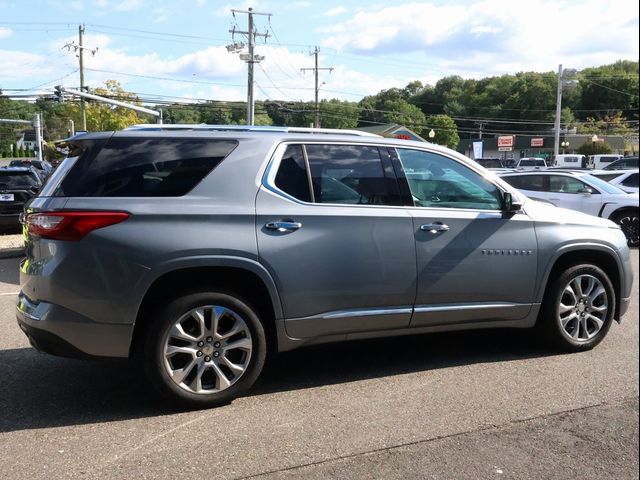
(79, 50)
(80, 57)
(249, 58)
(556, 127)
(317, 89)
(480, 127)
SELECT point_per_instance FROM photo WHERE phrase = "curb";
(12, 252)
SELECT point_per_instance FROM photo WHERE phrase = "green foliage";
(594, 148)
(389, 106)
(445, 129)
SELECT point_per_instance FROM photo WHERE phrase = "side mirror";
(510, 204)
(587, 190)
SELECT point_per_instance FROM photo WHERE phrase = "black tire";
(158, 333)
(627, 220)
(549, 323)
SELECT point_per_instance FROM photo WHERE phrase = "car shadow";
(42, 391)
(10, 271)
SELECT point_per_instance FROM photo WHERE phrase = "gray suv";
(199, 250)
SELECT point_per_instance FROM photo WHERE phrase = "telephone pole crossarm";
(250, 58)
(316, 69)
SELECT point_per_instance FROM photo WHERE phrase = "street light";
(432, 134)
(564, 146)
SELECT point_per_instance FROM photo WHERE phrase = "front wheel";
(628, 223)
(578, 308)
(205, 349)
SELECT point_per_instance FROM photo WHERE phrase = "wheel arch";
(601, 256)
(623, 209)
(245, 277)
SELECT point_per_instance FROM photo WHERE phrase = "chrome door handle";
(434, 227)
(283, 226)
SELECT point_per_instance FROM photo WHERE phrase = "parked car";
(17, 186)
(582, 192)
(531, 163)
(43, 167)
(573, 160)
(198, 250)
(598, 162)
(490, 162)
(626, 180)
(623, 164)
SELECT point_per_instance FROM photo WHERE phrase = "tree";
(445, 129)
(594, 148)
(389, 106)
(105, 117)
(338, 114)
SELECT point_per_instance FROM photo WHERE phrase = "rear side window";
(533, 183)
(350, 174)
(144, 167)
(292, 174)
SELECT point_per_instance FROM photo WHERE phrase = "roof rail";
(247, 128)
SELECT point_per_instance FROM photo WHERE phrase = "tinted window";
(532, 163)
(562, 184)
(144, 167)
(350, 174)
(292, 174)
(571, 159)
(631, 181)
(437, 181)
(17, 180)
(533, 183)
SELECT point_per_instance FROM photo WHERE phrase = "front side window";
(562, 184)
(350, 174)
(631, 181)
(437, 181)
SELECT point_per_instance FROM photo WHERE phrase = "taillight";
(72, 226)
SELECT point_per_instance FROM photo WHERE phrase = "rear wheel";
(628, 222)
(205, 349)
(578, 308)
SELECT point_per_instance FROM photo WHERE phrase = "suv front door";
(474, 261)
(333, 234)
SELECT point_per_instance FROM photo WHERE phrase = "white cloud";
(503, 34)
(129, 5)
(332, 12)
(5, 32)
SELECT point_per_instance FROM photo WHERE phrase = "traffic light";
(59, 93)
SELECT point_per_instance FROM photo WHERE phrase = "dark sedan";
(17, 186)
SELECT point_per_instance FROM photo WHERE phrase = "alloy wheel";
(583, 308)
(207, 349)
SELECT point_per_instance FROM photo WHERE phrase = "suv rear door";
(333, 234)
(474, 261)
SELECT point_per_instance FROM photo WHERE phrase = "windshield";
(604, 186)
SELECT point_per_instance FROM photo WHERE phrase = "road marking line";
(9, 293)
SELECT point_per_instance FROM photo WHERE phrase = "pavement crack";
(483, 428)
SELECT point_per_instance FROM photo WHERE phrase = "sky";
(176, 50)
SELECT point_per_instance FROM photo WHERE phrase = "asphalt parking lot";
(471, 405)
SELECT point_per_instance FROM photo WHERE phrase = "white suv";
(583, 192)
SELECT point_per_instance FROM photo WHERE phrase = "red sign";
(537, 142)
(506, 141)
(403, 136)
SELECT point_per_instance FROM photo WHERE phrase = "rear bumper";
(56, 330)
